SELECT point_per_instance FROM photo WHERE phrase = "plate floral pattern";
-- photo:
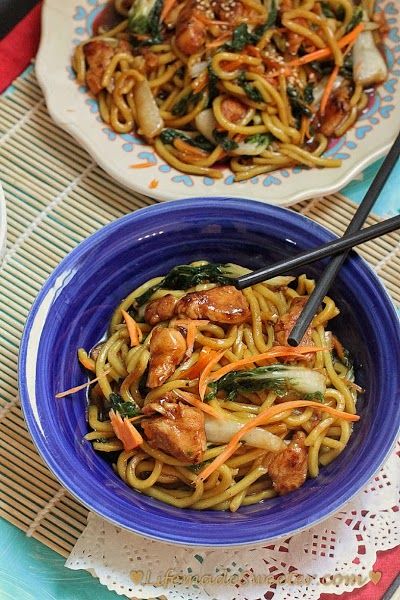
(67, 24)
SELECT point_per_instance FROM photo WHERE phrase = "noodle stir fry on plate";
(200, 400)
(264, 85)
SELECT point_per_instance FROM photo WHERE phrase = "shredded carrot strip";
(85, 360)
(143, 165)
(153, 184)
(78, 388)
(195, 401)
(326, 52)
(218, 41)
(331, 81)
(125, 431)
(194, 371)
(273, 353)
(214, 359)
(185, 147)
(328, 89)
(166, 9)
(262, 419)
(190, 325)
(135, 333)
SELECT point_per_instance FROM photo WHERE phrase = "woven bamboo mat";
(57, 196)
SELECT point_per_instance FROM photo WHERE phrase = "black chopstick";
(329, 274)
(329, 249)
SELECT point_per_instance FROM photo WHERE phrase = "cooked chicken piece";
(161, 309)
(181, 435)
(223, 304)
(166, 405)
(98, 56)
(288, 468)
(286, 323)
(167, 349)
(190, 32)
(233, 110)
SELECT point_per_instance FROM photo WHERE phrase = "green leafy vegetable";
(167, 136)
(346, 70)
(199, 467)
(212, 85)
(184, 277)
(259, 139)
(327, 10)
(183, 105)
(297, 102)
(125, 409)
(308, 93)
(251, 92)
(223, 139)
(144, 19)
(243, 37)
(279, 378)
(356, 19)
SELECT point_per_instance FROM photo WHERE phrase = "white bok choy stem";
(369, 67)
(148, 113)
(220, 431)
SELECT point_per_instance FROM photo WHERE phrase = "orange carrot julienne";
(143, 165)
(214, 359)
(328, 89)
(125, 431)
(196, 402)
(190, 325)
(153, 184)
(195, 370)
(218, 41)
(166, 9)
(331, 81)
(186, 147)
(325, 52)
(273, 353)
(85, 360)
(262, 419)
(78, 388)
(135, 333)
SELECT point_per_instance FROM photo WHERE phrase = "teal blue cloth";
(30, 571)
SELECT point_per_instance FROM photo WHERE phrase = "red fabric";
(19, 47)
(16, 51)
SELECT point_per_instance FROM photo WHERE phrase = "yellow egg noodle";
(324, 378)
(257, 84)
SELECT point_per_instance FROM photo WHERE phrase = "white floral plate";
(66, 24)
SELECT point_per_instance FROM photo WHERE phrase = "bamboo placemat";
(56, 197)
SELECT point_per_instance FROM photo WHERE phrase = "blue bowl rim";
(150, 531)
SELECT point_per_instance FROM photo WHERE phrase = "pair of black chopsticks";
(338, 248)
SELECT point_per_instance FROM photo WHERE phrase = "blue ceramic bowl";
(74, 308)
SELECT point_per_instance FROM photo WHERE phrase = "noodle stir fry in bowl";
(200, 425)
(260, 84)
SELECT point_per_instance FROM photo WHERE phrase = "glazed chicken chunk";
(167, 349)
(161, 309)
(180, 434)
(288, 468)
(99, 55)
(223, 304)
(286, 323)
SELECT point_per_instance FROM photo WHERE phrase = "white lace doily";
(335, 556)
